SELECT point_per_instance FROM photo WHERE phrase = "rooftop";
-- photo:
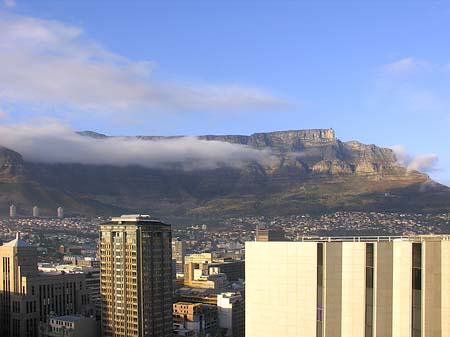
(134, 218)
(381, 238)
(189, 304)
(17, 242)
(69, 318)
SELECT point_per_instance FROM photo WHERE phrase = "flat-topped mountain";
(308, 171)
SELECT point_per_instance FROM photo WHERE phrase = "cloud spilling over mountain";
(55, 143)
(134, 173)
(50, 62)
(422, 163)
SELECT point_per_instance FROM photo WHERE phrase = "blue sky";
(375, 71)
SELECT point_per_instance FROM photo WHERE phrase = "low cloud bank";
(422, 163)
(57, 143)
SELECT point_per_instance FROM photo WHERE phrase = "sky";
(375, 71)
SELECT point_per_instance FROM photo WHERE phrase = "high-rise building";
(230, 308)
(178, 254)
(136, 277)
(12, 211)
(60, 212)
(35, 211)
(93, 284)
(344, 287)
(28, 297)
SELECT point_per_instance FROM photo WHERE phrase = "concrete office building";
(197, 295)
(178, 254)
(231, 314)
(12, 211)
(199, 258)
(28, 297)
(136, 277)
(343, 287)
(93, 285)
(194, 317)
(234, 270)
(197, 275)
(264, 234)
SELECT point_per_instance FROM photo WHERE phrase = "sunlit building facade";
(136, 277)
(342, 287)
(28, 297)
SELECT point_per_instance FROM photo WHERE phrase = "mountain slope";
(310, 170)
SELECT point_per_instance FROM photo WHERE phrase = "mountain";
(309, 171)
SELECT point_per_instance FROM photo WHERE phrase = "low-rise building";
(197, 275)
(71, 326)
(234, 270)
(199, 258)
(194, 317)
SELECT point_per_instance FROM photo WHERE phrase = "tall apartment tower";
(178, 254)
(136, 277)
(346, 287)
(35, 212)
(12, 211)
(60, 212)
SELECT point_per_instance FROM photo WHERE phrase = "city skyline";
(197, 68)
(354, 283)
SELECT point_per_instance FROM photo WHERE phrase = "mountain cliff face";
(11, 165)
(312, 171)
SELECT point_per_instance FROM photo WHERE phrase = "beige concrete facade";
(281, 285)
(436, 288)
(372, 287)
(199, 258)
(393, 289)
(344, 289)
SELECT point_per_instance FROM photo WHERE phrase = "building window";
(319, 317)
(369, 289)
(416, 322)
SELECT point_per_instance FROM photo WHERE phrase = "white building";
(230, 307)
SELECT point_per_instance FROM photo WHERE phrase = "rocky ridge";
(313, 172)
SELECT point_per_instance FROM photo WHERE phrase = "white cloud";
(422, 163)
(406, 65)
(49, 62)
(415, 86)
(56, 143)
(9, 3)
